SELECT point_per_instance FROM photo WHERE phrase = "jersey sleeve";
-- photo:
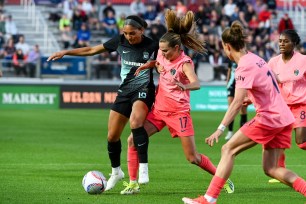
(244, 78)
(112, 44)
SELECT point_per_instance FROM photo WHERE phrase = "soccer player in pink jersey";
(172, 102)
(290, 71)
(271, 127)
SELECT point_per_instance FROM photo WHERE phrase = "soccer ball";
(94, 182)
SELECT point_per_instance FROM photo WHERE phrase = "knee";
(135, 123)
(227, 151)
(269, 171)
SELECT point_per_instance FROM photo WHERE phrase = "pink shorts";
(179, 124)
(268, 137)
(299, 112)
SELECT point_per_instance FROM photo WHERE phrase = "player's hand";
(213, 138)
(139, 69)
(56, 56)
(246, 101)
(160, 68)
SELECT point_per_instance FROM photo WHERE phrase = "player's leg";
(116, 124)
(233, 147)
(270, 160)
(243, 115)
(142, 102)
(230, 127)
(133, 164)
(300, 137)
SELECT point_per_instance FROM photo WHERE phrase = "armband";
(221, 127)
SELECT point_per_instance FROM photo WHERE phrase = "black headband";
(133, 23)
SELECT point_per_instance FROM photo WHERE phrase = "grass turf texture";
(44, 155)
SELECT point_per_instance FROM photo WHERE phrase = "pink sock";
(207, 165)
(215, 187)
(299, 185)
(133, 163)
(281, 160)
(302, 146)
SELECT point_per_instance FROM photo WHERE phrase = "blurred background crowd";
(88, 22)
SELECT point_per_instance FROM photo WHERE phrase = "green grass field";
(44, 155)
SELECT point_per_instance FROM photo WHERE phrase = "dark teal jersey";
(132, 57)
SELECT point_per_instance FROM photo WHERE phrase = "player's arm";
(194, 84)
(150, 64)
(229, 116)
(84, 51)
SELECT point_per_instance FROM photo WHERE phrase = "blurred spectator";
(67, 38)
(68, 7)
(19, 60)
(106, 62)
(161, 6)
(157, 30)
(285, 23)
(2, 24)
(216, 60)
(193, 6)
(254, 24)
(79, 17)
(249, 13)
(23, 45)
(120, 22)
(271, 5)
(32, 61)
(8, 52)
(109, 25)
(150, 14)
(11, 28)
(259, 6)
(64, 23)
(137, 7)
(241, 18)
(108, 7)
(180, 8)
(91, 13)
(201, 17)
(229, 8)
(83, 37)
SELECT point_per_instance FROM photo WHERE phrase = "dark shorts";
(231, 89)
(123, 104)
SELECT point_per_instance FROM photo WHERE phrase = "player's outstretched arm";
(84, 51)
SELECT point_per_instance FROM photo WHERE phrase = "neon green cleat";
(274, 181)
(130, 188)
(229, 186)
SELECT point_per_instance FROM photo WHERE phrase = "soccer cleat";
(112, 181)
(229, 186)
(199, 200)
(143, 177)
(130, 188)
(274, 181)
(229, 135)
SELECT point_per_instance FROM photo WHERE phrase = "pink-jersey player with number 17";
(271, 127)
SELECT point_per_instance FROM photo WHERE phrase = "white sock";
(210, 199)
(116, 170)
(133, 181)
(143, 166)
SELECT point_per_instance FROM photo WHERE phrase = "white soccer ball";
(94, 182)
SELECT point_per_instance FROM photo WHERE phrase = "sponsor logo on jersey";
(125, 51)
(296, 72)
(240, 78)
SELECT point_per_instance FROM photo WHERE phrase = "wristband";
(221, 127)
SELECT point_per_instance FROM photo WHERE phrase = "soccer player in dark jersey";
(135, 94)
